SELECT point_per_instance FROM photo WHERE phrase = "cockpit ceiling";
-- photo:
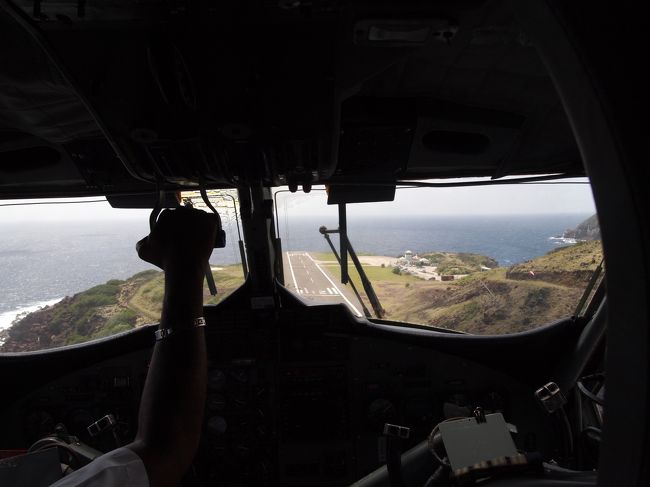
(115, 96)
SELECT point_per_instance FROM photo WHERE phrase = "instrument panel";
(301, 403)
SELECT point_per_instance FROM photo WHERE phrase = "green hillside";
(497, 301)
(104, 310)
(572, 265)
(482, 303)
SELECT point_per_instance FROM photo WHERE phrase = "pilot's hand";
(182, 238)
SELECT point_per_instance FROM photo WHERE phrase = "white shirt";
(117, 468)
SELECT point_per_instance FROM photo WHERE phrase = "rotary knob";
(217, 425)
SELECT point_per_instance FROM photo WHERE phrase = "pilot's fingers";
(147, 253)
(140, 245)
(161, 220)
(181, 221)
(179, 218)
(164, 215)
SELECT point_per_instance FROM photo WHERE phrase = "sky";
(90, 210)
(500, 200)
(540, 199)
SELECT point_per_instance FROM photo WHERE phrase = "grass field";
(323, 256)
(374, 274)
(579, 257)
(147, 299)
(482, 303)
(228, 279)
(329, 256)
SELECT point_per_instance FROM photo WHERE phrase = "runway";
(312, 281)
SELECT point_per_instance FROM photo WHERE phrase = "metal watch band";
(165, 332)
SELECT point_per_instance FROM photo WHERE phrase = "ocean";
(42, 263)
(508, 239)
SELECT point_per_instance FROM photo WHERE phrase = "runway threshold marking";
(334, 286)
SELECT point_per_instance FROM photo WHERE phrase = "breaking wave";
(8, 317)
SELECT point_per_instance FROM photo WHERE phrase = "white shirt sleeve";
(117, 468)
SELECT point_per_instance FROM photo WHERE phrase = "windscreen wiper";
(220, 241)
(596, 279)
(367, 285)
(324, 231)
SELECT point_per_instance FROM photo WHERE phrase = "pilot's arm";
(171, 410)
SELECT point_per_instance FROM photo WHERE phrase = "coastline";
(7, 318)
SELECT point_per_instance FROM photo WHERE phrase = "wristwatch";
(165, 332)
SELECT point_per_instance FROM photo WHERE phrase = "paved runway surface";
(312, 281)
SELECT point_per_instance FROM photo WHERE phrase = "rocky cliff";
(587, 230)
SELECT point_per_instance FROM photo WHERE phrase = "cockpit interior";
(321, 370)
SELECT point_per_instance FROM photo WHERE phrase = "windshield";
(483, 260)
(71, 273)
